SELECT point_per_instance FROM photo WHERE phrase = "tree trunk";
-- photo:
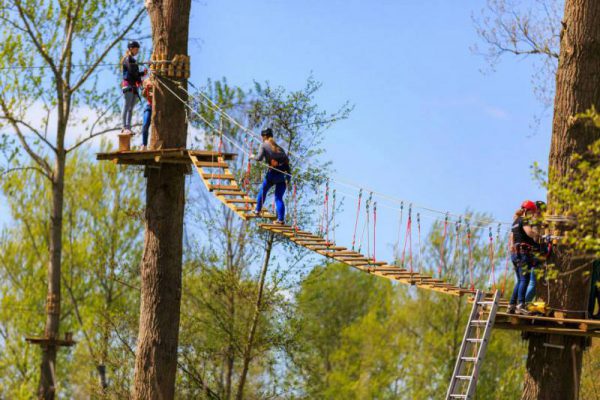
(255, 317)
(554, 362)
(156, 355)
(47, 385)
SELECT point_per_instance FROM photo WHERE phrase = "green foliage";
(578, 192)
(102, 245)
(361, 337)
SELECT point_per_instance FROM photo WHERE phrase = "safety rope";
(374, 230)
(295, 201)
(505, 268)
(457, 250)
(470, 250)
(442, 246)
(492, 282)
(407, 237)
(333, 216)
(368, 216)
(357, 216)
(327, 212)
(397, 245)
(420, 264)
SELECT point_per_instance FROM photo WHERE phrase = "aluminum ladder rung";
(479, 322)
(458, 396)
(464, 377)
(470, 359)
(471, 340)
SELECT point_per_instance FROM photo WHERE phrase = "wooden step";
(219, 176)
(320, 247)
(252, 216)
(223, 187)
(208, 164)
(229, 193)
(364, 264)
(233, 201)
(347, 252)
(304, 241)
(348, 256)
(361, 261)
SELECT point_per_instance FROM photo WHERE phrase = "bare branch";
(32, 129)
(92, 136)
(36, 157)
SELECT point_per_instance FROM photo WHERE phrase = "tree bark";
(554, 362)
(156, 355)
(47, 385)
(255, 317)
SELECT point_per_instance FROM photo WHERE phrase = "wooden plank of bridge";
(229, 193)
(211, 187)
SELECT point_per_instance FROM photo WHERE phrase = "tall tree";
(52, 52)
(556, 372)
(156, 356)
(102, 247)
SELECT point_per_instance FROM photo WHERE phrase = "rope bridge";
(215, 172)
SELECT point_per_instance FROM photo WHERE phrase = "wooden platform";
(164, 156)
(544, 324)
(66, 342)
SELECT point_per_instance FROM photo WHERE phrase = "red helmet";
(529, 206)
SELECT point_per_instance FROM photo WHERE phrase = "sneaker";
(143, 148)
(279, 222)
(256, 213)
(511, 308)
(522, 309)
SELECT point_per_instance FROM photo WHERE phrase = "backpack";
(279, 160)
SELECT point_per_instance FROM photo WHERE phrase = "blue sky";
(428, 125)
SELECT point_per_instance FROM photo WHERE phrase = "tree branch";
(92, 135)
(32, 129)
(11, 170)
(35, 41)
(36, 157)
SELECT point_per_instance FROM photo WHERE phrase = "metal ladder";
(473, 347)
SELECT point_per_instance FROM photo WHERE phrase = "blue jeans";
(277, 179)
(530, 292)
(523, 264)
(146, 124)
